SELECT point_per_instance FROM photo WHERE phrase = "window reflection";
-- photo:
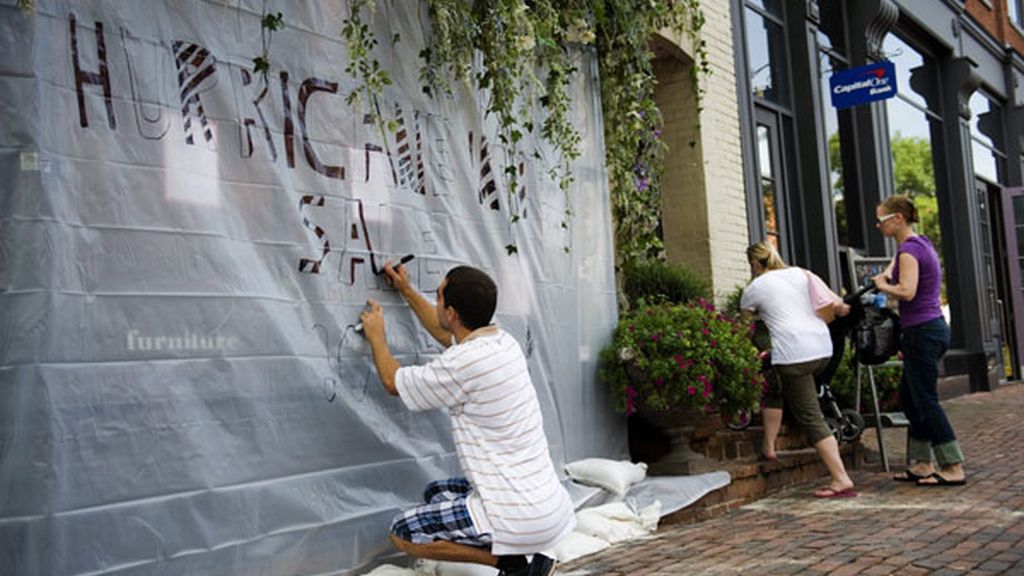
(835, 162)
(906, 59)
(986, 120)
(911, 147)
(770, 6)
(986, 137)
(912, 164)
(768, 186)
(985, 163)
(765, 56)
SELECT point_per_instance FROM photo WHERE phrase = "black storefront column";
(947, 86)
(867, 164)
(811, 208)
(1014, 119)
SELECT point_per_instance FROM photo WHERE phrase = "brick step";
(712, 440)
(727, 445)
(715, 447)
(753, 479)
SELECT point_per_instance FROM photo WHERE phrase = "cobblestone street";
(891, 528)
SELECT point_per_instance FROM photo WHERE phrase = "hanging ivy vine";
(519, 39)
(268, 24)
(632, 121)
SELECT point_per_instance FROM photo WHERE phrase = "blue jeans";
(930, 431)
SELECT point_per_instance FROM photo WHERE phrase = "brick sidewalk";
(892, 528)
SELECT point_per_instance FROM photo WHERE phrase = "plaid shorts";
(445, 516)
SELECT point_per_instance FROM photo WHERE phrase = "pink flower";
(692, 390)
(659, 382)
(630, 395)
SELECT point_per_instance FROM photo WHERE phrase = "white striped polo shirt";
(499, 435)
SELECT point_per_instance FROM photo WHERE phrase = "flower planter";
(682, 428)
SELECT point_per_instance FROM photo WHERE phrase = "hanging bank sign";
(863, 84)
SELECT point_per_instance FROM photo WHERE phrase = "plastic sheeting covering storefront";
(184, 246)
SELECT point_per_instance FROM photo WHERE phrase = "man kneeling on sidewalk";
(510, 502)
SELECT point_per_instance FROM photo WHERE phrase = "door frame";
(1014, 261)
(769, 118)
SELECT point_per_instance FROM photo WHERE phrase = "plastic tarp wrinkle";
(184, 248)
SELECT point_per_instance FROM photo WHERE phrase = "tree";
(912, 165)
(914, 175)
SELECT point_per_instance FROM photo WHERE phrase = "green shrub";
(656, 279)
(668, 355)
(759, 336)
(887, 384)
(732, 301)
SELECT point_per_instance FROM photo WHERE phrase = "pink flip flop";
(833, 493)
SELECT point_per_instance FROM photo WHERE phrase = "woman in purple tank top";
(914, 279)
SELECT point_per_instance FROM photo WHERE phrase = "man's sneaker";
(523, 570)
(541, 565)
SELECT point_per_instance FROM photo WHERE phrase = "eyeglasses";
(881, 219)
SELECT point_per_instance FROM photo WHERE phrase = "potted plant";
(673, 362)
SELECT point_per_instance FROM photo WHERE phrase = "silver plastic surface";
(182, 265)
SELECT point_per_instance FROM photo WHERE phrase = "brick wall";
(720, 134)
(994, 18)
(684, 207)
(704, 201)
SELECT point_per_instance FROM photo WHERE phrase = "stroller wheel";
(853, 425)
(835, 427)
(739, 421)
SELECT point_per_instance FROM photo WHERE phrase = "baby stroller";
(873, 330)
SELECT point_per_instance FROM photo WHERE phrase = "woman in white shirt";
(801, 348)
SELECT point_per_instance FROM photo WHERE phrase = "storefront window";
(827, 60)
(986, 137)
(773, 7)
(766, 55)
(910, 129)
(906, 59)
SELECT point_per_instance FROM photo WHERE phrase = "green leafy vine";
(632, 126)
(528, 52)
(360, 43)
(268, 24)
